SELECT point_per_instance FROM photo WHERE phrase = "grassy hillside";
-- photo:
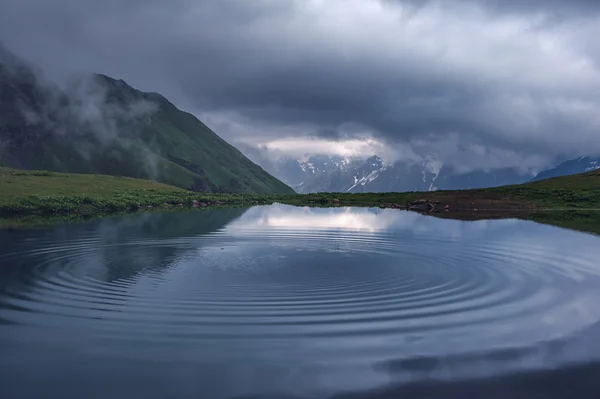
(43, 193)
(573, 191)
(39, 192)
(194, 156)
(99, 125)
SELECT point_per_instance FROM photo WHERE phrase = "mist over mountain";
(480, 85)
(92, 123)
(325, 173)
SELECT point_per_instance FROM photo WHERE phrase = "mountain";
(319, 173)
(97, 124)
(300, 174)
(375, 176)
(571, 167)
(450, 179)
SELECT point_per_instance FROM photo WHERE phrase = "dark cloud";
(550, 6)
(553, 7)
(516, 77)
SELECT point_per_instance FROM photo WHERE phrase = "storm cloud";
(485, 82)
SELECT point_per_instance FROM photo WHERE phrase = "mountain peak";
(375, 160)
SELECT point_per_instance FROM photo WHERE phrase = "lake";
(285, 302)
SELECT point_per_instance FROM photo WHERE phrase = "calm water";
(277, 302)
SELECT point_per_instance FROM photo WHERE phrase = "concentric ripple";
(258, 288)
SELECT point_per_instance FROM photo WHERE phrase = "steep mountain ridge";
(97, 124)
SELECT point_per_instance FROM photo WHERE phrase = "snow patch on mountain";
(593, 166)
(343, 165)
(322, 173)
(433, 166)
(368, 178)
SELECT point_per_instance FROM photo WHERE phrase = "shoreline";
(136, 202)
(477, 202)
(51, 195)
(553, 216)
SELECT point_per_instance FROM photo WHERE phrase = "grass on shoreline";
(46, 193)
(25, 193)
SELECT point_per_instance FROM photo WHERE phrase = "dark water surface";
(278, 302)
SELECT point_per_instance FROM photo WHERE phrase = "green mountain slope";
(99, 125)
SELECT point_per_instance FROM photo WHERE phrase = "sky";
(481, 82)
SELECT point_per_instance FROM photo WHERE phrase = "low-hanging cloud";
(80, 109)
(520, 79)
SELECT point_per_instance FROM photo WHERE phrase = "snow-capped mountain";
(348, 177)
(431, 175)
(300, 174)
(571, 167)
(321, 173)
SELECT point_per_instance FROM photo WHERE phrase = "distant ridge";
(571, 167)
